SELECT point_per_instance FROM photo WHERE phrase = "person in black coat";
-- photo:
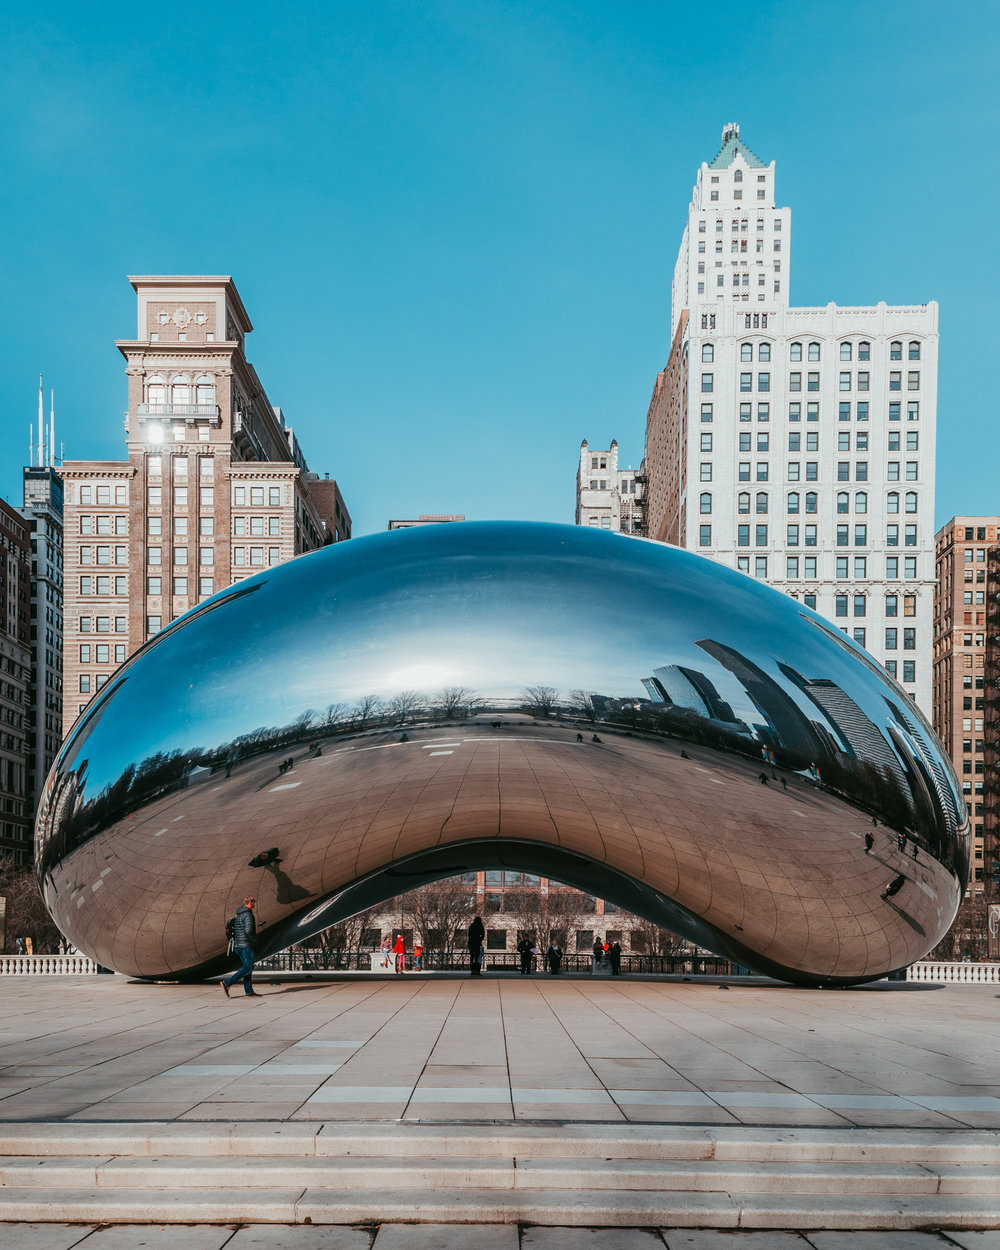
(615, 956)
(553, 957)
(477, 935)
(524, 950)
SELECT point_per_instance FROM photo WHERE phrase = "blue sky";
(454, 224)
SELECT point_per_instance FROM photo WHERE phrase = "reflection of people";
(29, 944)
(869, 843)
(477, 935)
(399, 950)
(19, 945)
(598, 951)
(616, 959)
(553, 957)
(418, 957)
(524, 950)
(385, 950)
(244, 932)
(894, 886)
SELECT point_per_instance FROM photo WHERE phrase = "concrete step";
(357, 1172)
(578, 1208)
(421, 1140)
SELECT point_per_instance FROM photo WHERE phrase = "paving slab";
(712, 1239)
(45, 1236)
(151, 1236)
(989, 1240)
(301, 1237)
(445, 1237)
(592, 1239)
(877, 1241)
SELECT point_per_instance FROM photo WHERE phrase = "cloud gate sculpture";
(625, 717)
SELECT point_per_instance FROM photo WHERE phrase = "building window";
(794, 351)
(762, 470)
(707, 352)
(763, 382)
(153, 624)
(705, 502)
(760, 567)
(840, 605)
(743, 471)
(795, 412)
(707, 382)
(909, 671)
(795, 381)
(760, 536)
(792, 536)
(845, 381)
(706, 442)
(743, 536)
(704, 536)
(863, 381)
(811, 501)
(706, 475)
(895, 381)
(791, 566)
(843, 501)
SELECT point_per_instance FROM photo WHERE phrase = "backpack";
(230, 933)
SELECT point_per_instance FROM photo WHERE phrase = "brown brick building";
(965, 584)
(15, 676)
(215, 486)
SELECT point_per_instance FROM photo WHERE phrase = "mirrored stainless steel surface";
(623, 716)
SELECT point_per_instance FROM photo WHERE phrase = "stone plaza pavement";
(743, 1105)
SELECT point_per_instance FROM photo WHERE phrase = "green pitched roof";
(727, 154)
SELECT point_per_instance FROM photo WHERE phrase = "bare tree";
(457, 700)
(651, 939)
(438, 910)
(27, 916)
(544, 915)
(367, 710)
(968, 935)
(345, 935)
(540, 700)
(403, 705)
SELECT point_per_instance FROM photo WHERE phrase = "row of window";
(242, 496)
(256, 556)
(844, 413)
(257, 526)
(179, 585)
(104, 555)
(102, 585)
(206, 555)
(206, 496)
(103, 624)
(179, 466)
(795, 350)
(811, 536)
(103, 494)
(809, 564)
(179, 390)
(102, 653)
(103, 523)
(846, 381)
(206, 526)
(793, 502)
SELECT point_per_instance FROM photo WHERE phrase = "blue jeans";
(245, 970)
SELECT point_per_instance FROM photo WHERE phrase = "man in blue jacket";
(244, 932)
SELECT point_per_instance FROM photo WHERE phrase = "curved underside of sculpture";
(622, 716)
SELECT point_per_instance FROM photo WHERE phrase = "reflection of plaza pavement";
(783, 871)
(450, 1048)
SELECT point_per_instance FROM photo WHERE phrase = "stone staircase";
(573, 1174)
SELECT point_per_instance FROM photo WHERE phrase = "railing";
(177, 410)
(967, 973)
(46, 965)
(500, 961)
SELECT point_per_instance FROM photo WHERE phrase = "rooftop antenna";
(52, 428)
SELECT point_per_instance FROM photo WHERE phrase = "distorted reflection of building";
(686, 687)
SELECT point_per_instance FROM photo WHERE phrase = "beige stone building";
(608, 496)
(961, 650)
(427, 519)
(215, 485)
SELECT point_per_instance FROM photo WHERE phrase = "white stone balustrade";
(927, 970)
(46, 965)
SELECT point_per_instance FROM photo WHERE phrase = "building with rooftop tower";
(796, 444)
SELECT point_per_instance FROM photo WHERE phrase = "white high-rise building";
(796, 444)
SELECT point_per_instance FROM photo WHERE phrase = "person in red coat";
(399, 950)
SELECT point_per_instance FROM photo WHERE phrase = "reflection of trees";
(969, 935)
(540, 700)
(457, 701)
(346, 935)
(27, 915)
(650, 939)
(367, 710)
(403, 705)
(583, 704)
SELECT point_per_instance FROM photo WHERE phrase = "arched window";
(896, 350)
(764, 352)
(156, 390)
(707, 352)
(793, 502)
(811, 501)
(794, 351)
(743, 503)
(845, 351)
(892, 501)
(706, 501)
(861, 502)
(914, 351)
(843, 502)
(762, 502)
(180, 390)
(205, 389)
(911, 501)
(738, 176)
(864, 350)
(814, 351)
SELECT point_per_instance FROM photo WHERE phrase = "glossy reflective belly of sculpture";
(626, 717)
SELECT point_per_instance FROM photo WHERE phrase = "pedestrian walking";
(477, 935)
(616, 959)
(399, 950)
(418, 957)
(598, 951)
(553, 957)
(244, 933)
(524, 949)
